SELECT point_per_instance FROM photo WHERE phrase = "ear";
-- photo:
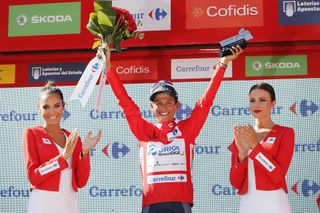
(273, 103)
(178, 105)
(151, 105)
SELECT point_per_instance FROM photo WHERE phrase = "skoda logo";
(256, 65)
(21, 20)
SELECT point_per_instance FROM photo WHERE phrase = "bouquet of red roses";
(111, 24)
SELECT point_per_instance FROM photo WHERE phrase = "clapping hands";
(245, 137)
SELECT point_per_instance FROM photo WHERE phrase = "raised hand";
(105, 50)
(236, 51)
(90, 142)
(70, 144)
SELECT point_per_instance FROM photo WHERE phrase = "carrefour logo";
(167, 178)
(116, 150)
(15, 115)
(129, 191)
(220, 190)
(14, 192)
(95, 67)
(276, 65)
(218, 110)
(306, 188)
(307, 147)
(183, 112)
(304, 108)
(157, 14)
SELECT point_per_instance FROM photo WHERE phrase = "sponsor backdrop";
(115, 185)
(61, 24)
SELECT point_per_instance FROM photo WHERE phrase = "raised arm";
(142, 129)
(200, 112)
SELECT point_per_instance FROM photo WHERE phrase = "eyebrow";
(259, 97)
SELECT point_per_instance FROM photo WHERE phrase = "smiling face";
(51, 109)
(261, 103)
(164, 107)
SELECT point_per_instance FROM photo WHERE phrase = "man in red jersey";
(166, 148)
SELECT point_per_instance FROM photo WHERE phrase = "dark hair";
(163, 86)
(266, 87)
(51, 89)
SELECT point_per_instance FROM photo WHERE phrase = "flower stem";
(115, 29)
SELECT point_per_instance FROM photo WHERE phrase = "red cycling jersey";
(166, 149)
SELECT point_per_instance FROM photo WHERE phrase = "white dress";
(63, 201)
(275, 201)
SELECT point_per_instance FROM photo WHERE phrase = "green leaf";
(128, 33)
(96, 44)
(93, 25)
(106, 17)
(102, 4)
(117, 47)
(106, 20)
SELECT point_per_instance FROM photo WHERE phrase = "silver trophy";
(240, 39)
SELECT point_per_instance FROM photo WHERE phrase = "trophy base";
(225, 50)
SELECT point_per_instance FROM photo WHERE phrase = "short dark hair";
(163, 86)
(265, 86)
(51, 89)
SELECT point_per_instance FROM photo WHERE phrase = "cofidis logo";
(44, 19)
(223, 13)
(131, 70)
(298, 12)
